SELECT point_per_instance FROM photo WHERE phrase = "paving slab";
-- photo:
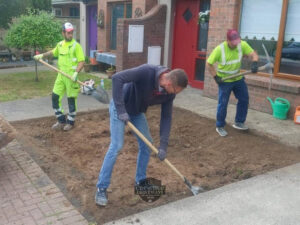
(42, 107)
(28, 196)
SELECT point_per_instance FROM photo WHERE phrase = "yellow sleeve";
(215, 55)
(55, 51)
(246, 48)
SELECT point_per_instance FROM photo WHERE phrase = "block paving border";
(28, 196)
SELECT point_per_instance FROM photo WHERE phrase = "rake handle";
(59, 71)
(147, 142)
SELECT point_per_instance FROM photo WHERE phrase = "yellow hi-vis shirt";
(69, 55)
(229, 60)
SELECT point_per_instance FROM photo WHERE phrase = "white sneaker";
(57, 126)
(68, 127)
(221, 131)
(240, 126)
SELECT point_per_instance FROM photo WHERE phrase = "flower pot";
(87, 68)
(93, 61)
(110, 73)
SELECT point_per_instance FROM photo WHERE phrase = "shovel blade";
(100, 95)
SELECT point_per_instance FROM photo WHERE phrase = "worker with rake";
(70, 60)
(229, 56)
(133, 91)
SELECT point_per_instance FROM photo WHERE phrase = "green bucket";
(280, 107)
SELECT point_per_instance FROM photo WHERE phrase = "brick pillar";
(142, 7)
(154, 35)
(224, 15)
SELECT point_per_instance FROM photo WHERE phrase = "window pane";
(128, 10)
(259, 25)
(203, 25)
(200, 69)
(117, 12)
(74, 12)
(290, 56)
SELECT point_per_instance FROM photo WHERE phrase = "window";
(74, 12)
(118, 10)
(57, 12)
(278, 29)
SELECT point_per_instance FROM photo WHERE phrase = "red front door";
(190, 39)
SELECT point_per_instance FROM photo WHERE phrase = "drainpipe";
(83, 25)
(167, 60)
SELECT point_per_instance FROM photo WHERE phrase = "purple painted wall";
(92, 27)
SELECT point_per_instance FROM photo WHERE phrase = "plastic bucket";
(280, 107)
(297, 115)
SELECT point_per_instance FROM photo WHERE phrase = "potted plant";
(203, 17)
(87, 65)
(110, 71)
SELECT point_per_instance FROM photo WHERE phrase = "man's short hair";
(178, 77)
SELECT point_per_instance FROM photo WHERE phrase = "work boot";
(68, 127)
(221, 131)
(240, 126)
(57, 126)
(101, 197)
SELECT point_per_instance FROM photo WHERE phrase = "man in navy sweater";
(133, 91)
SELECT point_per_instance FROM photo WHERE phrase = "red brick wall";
(154, 31)
(144, 5)
(225, 15)
(103, 33)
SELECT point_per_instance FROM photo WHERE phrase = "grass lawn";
(22, 85)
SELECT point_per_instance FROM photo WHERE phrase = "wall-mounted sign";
(136, 38)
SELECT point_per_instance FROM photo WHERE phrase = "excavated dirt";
(73, 159)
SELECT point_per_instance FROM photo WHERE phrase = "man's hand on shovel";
(254, 68)
(194, 189)
(162, 154)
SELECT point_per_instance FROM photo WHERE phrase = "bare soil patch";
(73, 159)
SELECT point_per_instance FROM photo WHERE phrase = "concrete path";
(42, 107)
(269, 199)
(272, 198)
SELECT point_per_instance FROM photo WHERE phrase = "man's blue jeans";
(240, 91)
(117, 128)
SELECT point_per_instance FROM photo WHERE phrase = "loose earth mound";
(73, 159)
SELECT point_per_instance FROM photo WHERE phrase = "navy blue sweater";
(140, 86)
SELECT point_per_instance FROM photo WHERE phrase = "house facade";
(68, 11)
(274, 24)
(185, 40)
(83, 15)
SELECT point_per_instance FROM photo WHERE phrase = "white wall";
(83, 25)
(167, 60)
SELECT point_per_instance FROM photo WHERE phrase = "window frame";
(279, 45)
(110, 6)
(75, 10)
(57, 10)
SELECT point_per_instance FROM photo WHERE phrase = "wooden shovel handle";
(261, 68)
(59, 71)
(147, 142)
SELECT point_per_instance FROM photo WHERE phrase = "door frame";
(195, 54)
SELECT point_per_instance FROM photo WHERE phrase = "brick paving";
(28, 196)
